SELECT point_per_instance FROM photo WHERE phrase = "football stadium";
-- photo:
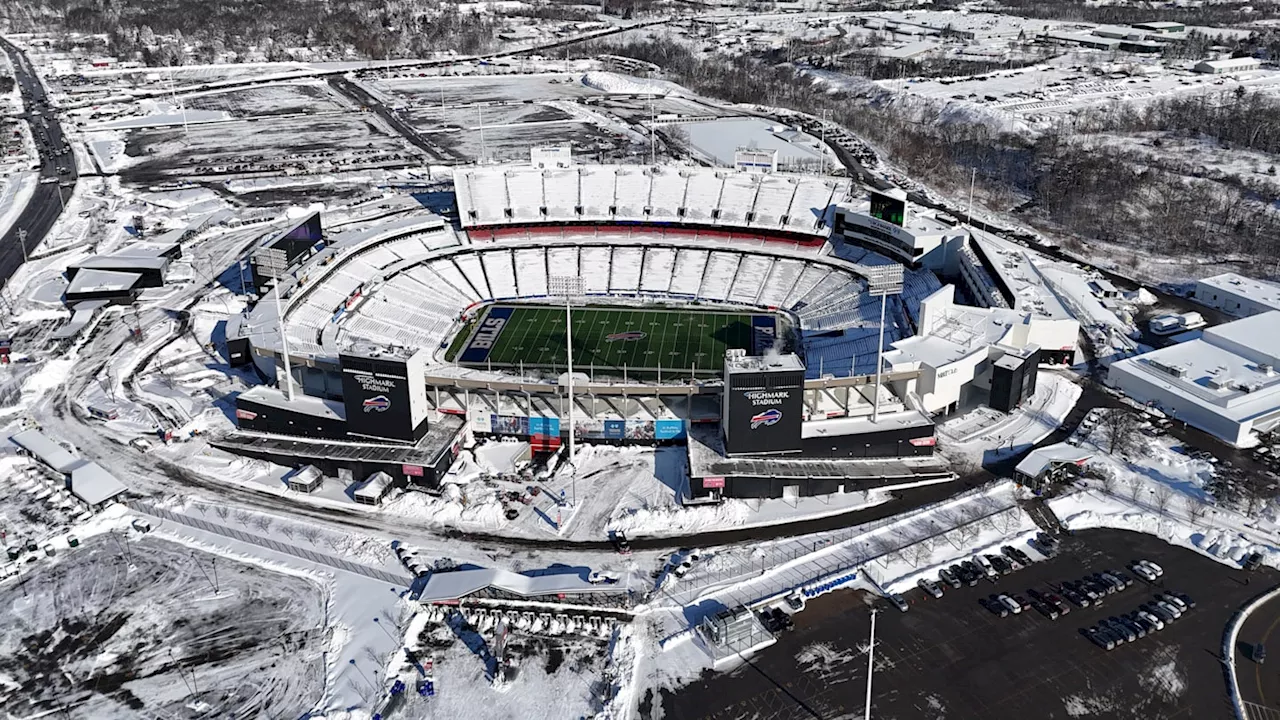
(708, 307)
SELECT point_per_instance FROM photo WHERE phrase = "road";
(1259, 683)
(47, 202)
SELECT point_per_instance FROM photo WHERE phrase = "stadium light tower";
(882, 281)
(569, 287)
(871, 649)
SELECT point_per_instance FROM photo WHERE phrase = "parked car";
(1129, 635)
(949, 577)
(1001, 565)
(782, 619)
(1133, 627)
(1022, 600)
(1152, 567)
(1152, 619)
(1253, 561)
(985, 566)
(994, 606)
(1046, 609)
(1165, 616)
(1143, 572)
(899, 602)
(1056, 601)
(1173, 600)
(1076, 598)
(1099, 639)
(1172, 610)
(1184, 598)
(1259, 653)
(1013, 605)
(1115, 581)
(1128, 581)
(930, 587)
(795, 602)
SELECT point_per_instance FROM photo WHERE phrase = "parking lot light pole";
(568, 286)
(871, 650)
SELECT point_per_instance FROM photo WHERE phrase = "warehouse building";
(1237, 295)
(1224, 383)
(1229, 65)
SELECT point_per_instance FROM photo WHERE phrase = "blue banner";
(668, 429)
(615, 429)
(486, 335)
(549, 426)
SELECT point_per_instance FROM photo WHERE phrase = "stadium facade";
(369, 334)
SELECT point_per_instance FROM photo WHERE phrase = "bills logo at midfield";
(766, 418)
(625, 336)
(378, 403)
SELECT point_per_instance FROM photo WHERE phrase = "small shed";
(306, 479)
(374, 489)
(92, 484)
(1050, 463)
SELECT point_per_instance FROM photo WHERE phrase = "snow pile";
(672, 521)
(452, 508)
(1145, 297)
(625, 84)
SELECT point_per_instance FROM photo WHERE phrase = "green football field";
(611, 338)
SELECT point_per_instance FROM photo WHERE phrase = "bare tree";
(222, 512)
(1162, 494)
(1110, 481)
(1122, 428)
(1134, 487)
(287, 530)
(1196, 509)
(916, 553)
(244, 517)
(263, 522)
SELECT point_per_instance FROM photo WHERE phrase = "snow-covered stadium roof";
(515, 195)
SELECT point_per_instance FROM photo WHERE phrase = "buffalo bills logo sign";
(379, 403)
(766, 418)
(624, 336)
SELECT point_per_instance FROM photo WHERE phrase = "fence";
(309, 555)
(784, 553)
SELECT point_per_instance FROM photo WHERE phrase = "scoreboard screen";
(888, 209)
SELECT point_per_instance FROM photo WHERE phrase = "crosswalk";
(1254, 711)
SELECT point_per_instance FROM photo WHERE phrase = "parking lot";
(950, 658)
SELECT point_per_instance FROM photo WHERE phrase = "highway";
(46, 203)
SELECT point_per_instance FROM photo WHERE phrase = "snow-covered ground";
(984, 435)
(1157, 490)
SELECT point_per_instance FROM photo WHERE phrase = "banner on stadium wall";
(669, 429)
(615, 429)
(482, 423)
(511, 424)
(544, 426)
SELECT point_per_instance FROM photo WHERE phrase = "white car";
(1152, 567)
(1174, 601)
(1169, 608)
(1011, 604)
(1151, 619)
(1143, 572)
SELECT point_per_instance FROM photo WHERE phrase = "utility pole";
(871, 650)
(22, 240)
(480, 115)
(823, 148)
(972, 179)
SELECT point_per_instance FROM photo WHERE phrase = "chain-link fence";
(310, 555)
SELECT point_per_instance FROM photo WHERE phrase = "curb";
(1229, 648)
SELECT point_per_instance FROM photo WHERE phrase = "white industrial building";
(1229, 65)
(1224, 383)
(1237, 295)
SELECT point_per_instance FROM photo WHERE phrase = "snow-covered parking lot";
(124, 628)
